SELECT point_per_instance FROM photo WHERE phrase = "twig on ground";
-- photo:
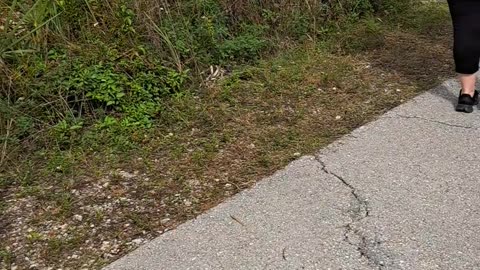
(5, 144)
(237, 220)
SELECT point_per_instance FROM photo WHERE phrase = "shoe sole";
(464, 108)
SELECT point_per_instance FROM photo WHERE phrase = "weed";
(33, 237)
(66, 132)
(358, 37)
(54, 245)
(245, 47)
(127, 17)
(61, 162)
(6, 257)
(26, 178)
(300, 25)
(140, 221)
(57, 244)
(31, 190)
(3, 206)
(64, 201)
(228, 87)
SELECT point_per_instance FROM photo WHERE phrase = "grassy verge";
(85, 200)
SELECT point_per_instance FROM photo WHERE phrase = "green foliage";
(64, 132)
(74, 17)
(246, 46)
(357, 37)
(229, 85)
(430, 19)
(25, 28)
(127, 17)
(204, 33)
(131, 88)
(300, 25)
(356, 8)
(65, 95)
(394, 7)
(102, 84)
(201, 31)
(6, 256)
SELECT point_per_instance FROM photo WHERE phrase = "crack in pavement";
(431, 121)
(368, 249)
(362, 210)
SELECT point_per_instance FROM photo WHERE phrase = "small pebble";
(137, 241)
(165, 220)
(105, 245)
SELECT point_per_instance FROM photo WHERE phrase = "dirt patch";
(422, 60)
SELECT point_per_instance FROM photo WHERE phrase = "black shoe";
(466, 102)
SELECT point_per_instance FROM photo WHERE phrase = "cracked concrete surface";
(434, 121)
(358, 212)
(402, 192)
(292, 220)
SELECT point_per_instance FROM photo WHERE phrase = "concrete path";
(400, 193)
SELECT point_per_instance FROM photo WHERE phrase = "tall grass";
(26, 28)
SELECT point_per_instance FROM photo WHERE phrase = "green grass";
(6, 257)
(427, 19)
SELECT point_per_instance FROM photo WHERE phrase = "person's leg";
(468, 82)
(466, 31)
(466, 54)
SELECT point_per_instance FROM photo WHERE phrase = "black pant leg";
(466, 26)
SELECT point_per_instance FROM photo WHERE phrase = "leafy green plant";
(65, 131)
(103, 85)
(24, 125)
(300, 25)
(6, 256)
(246, 46)
(357, 37)
(127, 17)
(107, 122)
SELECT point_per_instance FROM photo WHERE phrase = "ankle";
(468, 92)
